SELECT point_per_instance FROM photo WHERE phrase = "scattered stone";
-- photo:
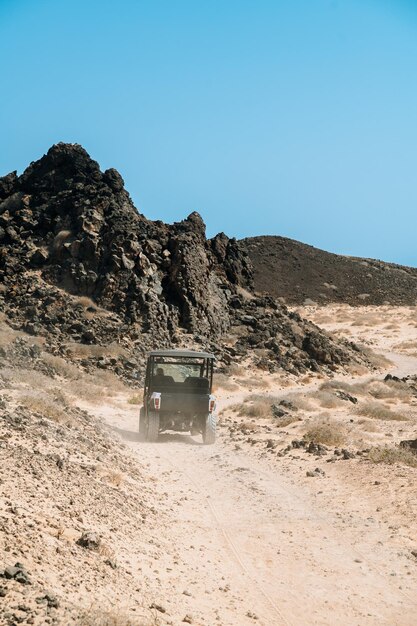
(316, 448)
(252, 615)
(89, 540)
(409, 444)
(277, 411)
(343, 395)
(18, 573)
(315, 473)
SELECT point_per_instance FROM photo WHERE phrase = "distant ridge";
(298, 272)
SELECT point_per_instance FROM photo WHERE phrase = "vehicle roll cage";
(205, 360)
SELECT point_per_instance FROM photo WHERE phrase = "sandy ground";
(252, 530)
(261, 542)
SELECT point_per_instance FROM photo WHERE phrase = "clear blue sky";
(292, 117)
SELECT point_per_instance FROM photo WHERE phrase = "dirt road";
(266, 545)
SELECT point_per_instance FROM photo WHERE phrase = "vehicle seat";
(197, 384)
(162, 381)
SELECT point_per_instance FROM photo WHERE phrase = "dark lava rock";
(346, 396)
(79, 264)
(295, 272)
(18, 573)
(277, 411)
(409, 444)
(316, 448)
(89, 540)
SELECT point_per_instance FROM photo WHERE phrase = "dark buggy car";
(178, 395)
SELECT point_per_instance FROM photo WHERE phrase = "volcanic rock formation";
(297, 272)
(78, 263)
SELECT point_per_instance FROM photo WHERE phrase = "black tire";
(142, 424)
(153, 426)
(209, 429)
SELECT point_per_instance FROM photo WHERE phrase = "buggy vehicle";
(178, 395)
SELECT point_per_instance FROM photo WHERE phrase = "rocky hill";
(80, 266)
(295, 271)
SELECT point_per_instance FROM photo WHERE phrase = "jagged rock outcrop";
(78, 227)
(70, 233)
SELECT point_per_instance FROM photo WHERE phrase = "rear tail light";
(212, 405)
(157, 402)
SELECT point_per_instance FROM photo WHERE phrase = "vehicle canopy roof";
(188, 354)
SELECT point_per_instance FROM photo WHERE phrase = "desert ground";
(304, 512)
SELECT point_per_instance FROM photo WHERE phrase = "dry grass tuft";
(300, 401)
(135, 400)
(223, 381)
(327, 400)
(389, 389)
(247, 427)
(44, 407)
(391, 455)
(327, 432)
(256, 405)
(86, 303)
(88, 351)
(379, 411)
(376, 360)
(113, 477)
(286, 420)
(61, 367)
(369, 426)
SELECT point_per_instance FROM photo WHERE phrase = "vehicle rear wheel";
(153, 426)
(209, 430)
(142, 424)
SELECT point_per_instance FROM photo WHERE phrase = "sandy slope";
(260, 542)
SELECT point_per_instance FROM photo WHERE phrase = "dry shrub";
(44, 407)
(135, 400)
(85, 390)
(256, 405)
(327, 432)
(234, 369)
(391, 455)
(286, 420)
(15, 377)
(260, 410)
(253, 382)
(86, 303)
(61, 367)
(378, 361)
(389, 389)
(355, 389)
(379, 411)
(328, 400)
(247, 427)
(113, 477)
(300, 401)
(108, 379)
(87, 351)
(368, 426)
(222, 381)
